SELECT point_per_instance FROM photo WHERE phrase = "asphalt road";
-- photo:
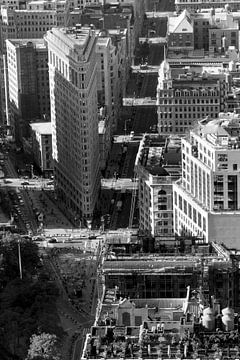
(26, 184)
(142, 119)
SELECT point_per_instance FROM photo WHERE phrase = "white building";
(157, 166)
(207, 199)
(42, 146)
(74, 116)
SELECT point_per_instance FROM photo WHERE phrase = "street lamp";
(31, 169)
(107, 216)
(19, 260)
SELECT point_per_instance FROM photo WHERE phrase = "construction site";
(166, 275)
(165, 305)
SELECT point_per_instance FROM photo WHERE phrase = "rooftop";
(36, 43)
(107, 21)
(42, 128)
(219, 18)
(222, 132)
(158, 156)
(161, 328)
(128, 257)
(77, 37)
(180, 24)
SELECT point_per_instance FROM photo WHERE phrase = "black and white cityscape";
(119, 179)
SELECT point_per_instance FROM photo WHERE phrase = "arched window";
(162, 192)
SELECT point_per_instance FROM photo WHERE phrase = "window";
(189, 211)
(204, 224)
(185, 207)
(199, 220)
(194, 216)
(180, 202)
(162, 207)
(175, 198)
(234, 167)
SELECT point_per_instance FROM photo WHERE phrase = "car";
(37, 238)
(6, 181)
(24, 183)
(50, 183)
(52, 241)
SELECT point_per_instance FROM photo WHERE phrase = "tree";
(43, 347)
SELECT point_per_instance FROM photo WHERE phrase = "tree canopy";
(28, 305)
(43, 347)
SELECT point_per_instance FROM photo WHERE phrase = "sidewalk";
(53, 217)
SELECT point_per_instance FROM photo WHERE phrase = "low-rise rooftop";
(36, 43)
(222, 132)
(158, 156)
(43, 128)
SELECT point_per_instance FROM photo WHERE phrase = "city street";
(119, 184)
(16, 182)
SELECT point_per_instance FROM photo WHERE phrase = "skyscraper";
(73, 99)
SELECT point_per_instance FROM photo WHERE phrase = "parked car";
(52, 241)
(24, 183)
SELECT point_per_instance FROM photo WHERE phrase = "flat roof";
(43, 128)
(38, 43)
(161, 158)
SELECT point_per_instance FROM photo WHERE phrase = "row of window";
(190, 211)
(189, 101)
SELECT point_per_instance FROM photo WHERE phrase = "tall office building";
(28, 83)
(27, 20)
(74, 116)
(207, 199)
